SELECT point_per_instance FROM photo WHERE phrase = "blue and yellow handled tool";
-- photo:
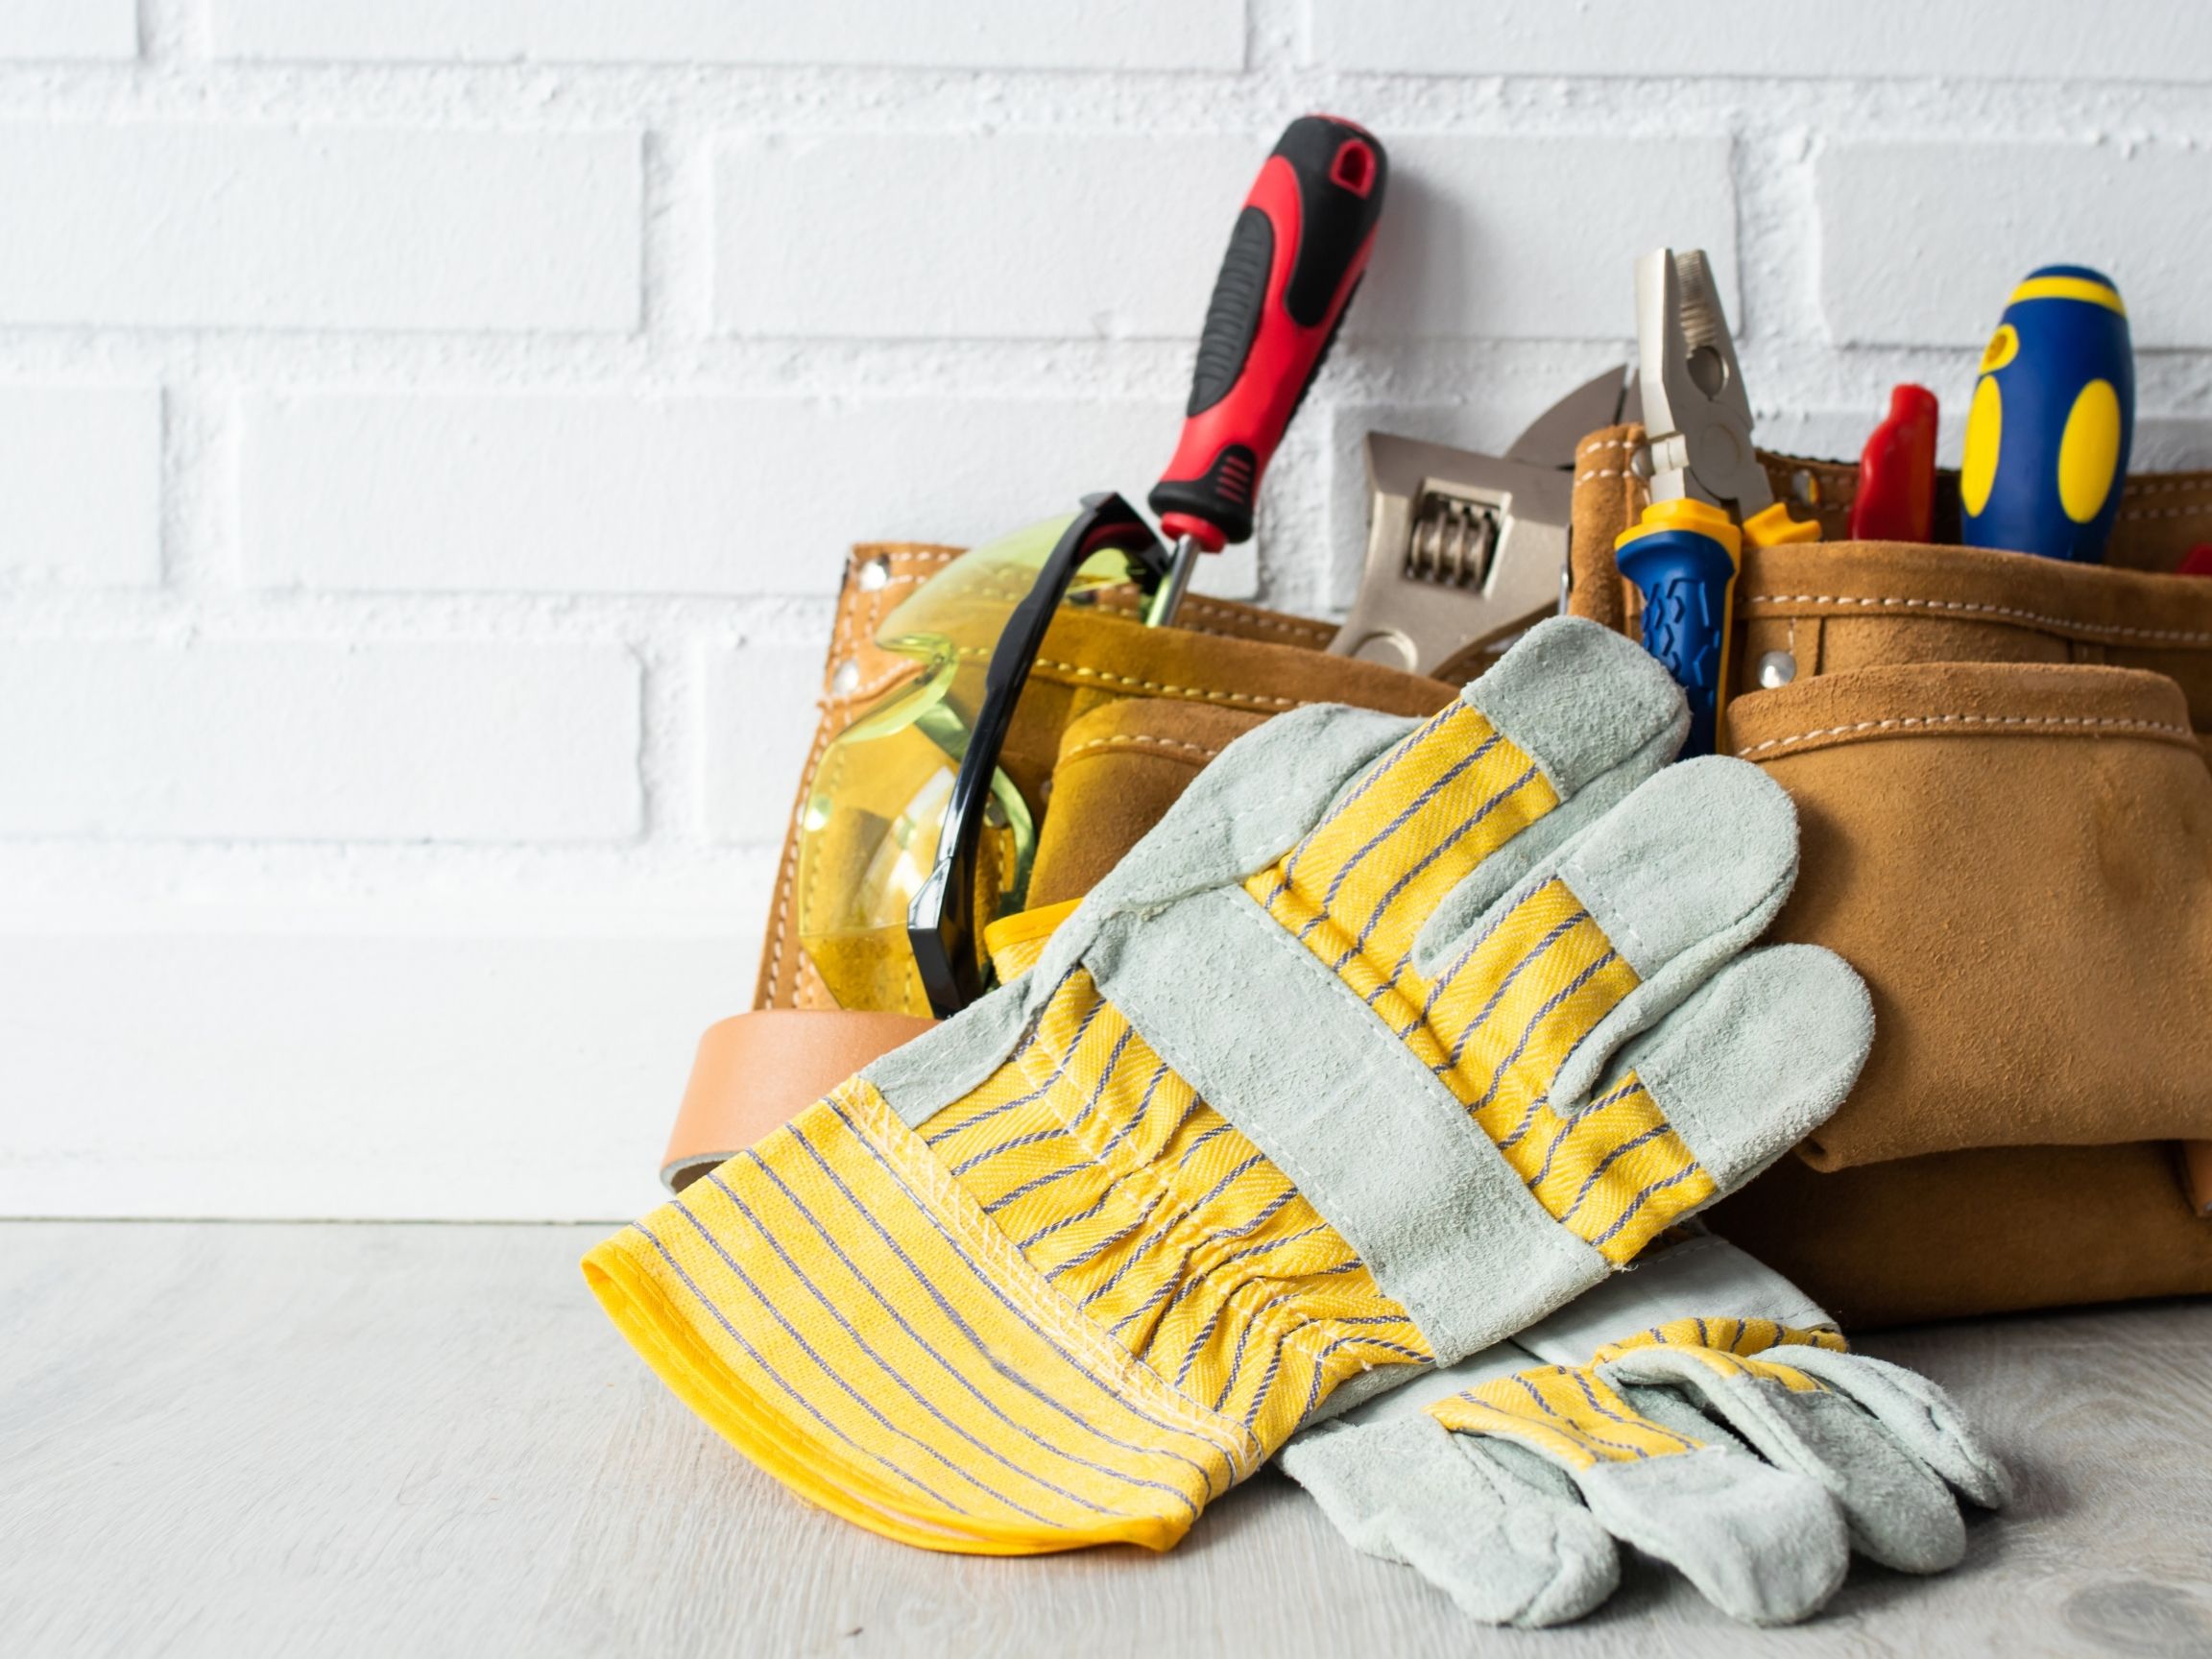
(2053, 412)
(1683, 555)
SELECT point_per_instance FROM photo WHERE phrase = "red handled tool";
(1296, 255)
(1896, 496)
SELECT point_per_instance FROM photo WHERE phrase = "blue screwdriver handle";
(1686, 579)
(2052, 421)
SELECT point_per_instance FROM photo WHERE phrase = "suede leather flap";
(2018, 859)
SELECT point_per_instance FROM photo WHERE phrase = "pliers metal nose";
(1696, 415)
(1709, 492)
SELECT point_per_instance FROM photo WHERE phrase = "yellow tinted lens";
(868, 839)
(966, 605)
(869, 835)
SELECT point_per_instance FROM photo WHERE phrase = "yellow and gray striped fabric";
(1075, 1308)
(847, 1314)
(1072, 1304)
(1571, 1415)
(1498, 1022)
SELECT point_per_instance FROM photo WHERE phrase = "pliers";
(1696, 417)
(1709, 490)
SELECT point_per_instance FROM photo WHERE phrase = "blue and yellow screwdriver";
(1684, 552)
(2052, 416)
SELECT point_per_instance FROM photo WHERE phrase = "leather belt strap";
(754, 1073)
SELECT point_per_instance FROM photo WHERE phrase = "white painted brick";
(1835, 434)
(140, 224)
(257, 740)
(80, 485)
(594, 493)
(983, 235)
(755, 731)
(1490, 237)
(412, 1063)
(1920, 242)
(832, 237)
(975, 35)
(2170, 444)
(1789, 40)
(56, 28)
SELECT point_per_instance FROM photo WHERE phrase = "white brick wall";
(597, 492)
(257, 226)
(429, 430)
(194, 739)
(1784, 39)
(63, 29)
(977, 35)
(1984, 213)
(81, 485)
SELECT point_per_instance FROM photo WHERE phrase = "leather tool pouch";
(1999, 769)
(2008, 830)
(1221, 655)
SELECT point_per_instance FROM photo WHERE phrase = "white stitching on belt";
(2020, 722)
(2167, 486)
(2180, 636)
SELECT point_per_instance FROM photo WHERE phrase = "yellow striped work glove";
(1322, 1078)
(1750, 1450)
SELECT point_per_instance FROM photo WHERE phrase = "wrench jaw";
(1463, 553)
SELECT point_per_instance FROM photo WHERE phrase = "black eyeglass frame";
(941, 920)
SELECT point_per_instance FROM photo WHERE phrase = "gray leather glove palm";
(1751, 1452)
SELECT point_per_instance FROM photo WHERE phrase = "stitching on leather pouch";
(1201, 692)
(1122, 739)
(2017, 722)
(2181, 636)
(1305, 631)
(2166, 486)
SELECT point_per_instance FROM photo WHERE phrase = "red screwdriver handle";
(1896, 496)
(1297, 253)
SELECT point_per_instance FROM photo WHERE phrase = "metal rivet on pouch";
(872, 575)
(1640, 463)
(845, 678)
(1777, 669)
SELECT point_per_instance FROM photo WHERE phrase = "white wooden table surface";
(396, 1441)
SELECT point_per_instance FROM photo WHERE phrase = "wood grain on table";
(395, 1440)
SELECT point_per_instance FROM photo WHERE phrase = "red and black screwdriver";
(1298, 249)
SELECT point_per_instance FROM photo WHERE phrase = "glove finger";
(1760, 1055)
(1506, 1553)
(1923, 1418)
(1685, 872)
(1760, 1544)
(1898, 1513)
(1763, 1545)
(1571, 705)
(1635, 914)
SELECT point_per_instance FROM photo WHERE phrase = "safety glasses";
(912, 837)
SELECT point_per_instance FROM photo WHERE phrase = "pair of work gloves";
(1392, 1040)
